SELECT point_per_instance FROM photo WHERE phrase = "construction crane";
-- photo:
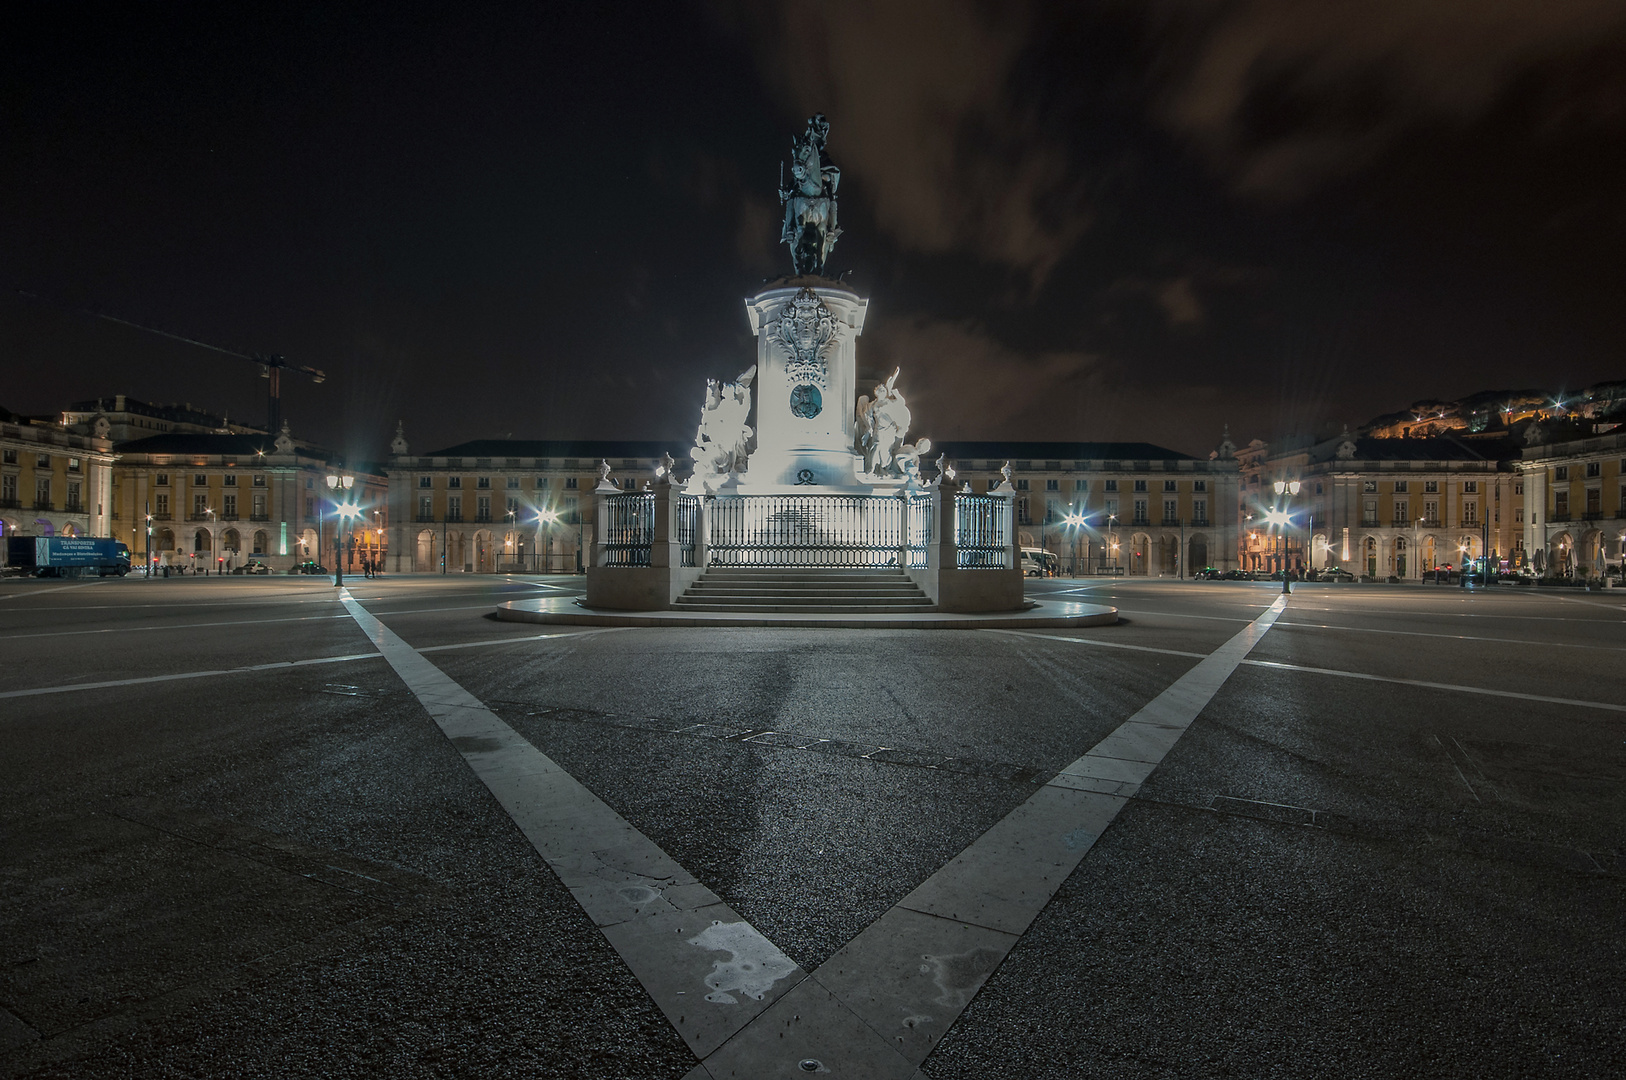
(271, 366)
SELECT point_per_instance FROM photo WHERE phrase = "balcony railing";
(1429, 523)
(1200, 523)
(42, 504)
(454, 519)
(1171, 521)
(1369, 522)
(10, 504)
(425, 519)
(1469, 523)
(74, 508)
(259, 517)
(1592, 515)
(1561, 516)
(1140, 519)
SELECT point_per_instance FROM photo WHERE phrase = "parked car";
(253, 566)
(308, 567)
(1208, 573)
(1333, 573)
(1238, 575)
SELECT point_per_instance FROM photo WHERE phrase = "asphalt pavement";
(240, 834)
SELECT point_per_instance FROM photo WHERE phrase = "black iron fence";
(628, 528)
(820, 530)
(982, 531)
(687, 521)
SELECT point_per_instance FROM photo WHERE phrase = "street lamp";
(1285, 488)
(334, 484)
(550, 518)
(214, 542)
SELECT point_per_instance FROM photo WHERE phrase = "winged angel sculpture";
(810, 201)
(724, 442)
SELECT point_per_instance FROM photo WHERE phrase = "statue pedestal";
(806, 385)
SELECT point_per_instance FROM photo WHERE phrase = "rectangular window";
(1199, 511)
(513, 506)
(426, 481)
(1594, 500)
(1052, 510)
(1140, 512)
(482, 481)
(1401, 486)
(426, 507)
(231, 480)
(9, 457)
(1168, 485)
(513, 481)
(199, 480)
(1140, 485)
(454, 508)
(1171, 511)
(454, 481)
(161, 480)
(73, 466)
(1318, 489)
(1431, 511)
(482, 508)
(228, 507)
(200, 503)
(259, 506)
(259, 479)
(1470, 487)
(1112, 485)
(1561, 505)
(1200, 485)
(160, 504)
(1518, 516)
(310, 508)
(1052, 485)
(1470, 513)
(541, 482)
(1021, 483)
(1593, 468)
(1081, 485)
(1562, 472)
(572, 510)
(1431, 487)
(8, 489)
(570, 483)
(1518, 489)
(73, 495)
(43, 461)
(1369, 512)
(1402, 512)
(1369, 487)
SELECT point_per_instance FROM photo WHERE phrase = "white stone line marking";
(1618, 609)
(911, 973)
(1449, 637)
(1042, 635)
(1457, 687)
(528, 637)
(276, 666)
(707, 969)
(53, 588)
(150, 628)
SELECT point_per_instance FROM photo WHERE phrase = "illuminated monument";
(804, 494)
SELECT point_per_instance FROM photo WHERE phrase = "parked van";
(1037, 562)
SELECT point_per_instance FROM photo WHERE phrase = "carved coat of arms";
(806, 330)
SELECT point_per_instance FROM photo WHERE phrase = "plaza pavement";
(250, 828)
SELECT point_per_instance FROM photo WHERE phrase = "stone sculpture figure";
(881, 427)
(810, 201)
(724, 442)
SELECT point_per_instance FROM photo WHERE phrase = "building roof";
(562, 448)
(1058, 451)
(1433, 448)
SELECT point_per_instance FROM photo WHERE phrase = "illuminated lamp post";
(549, 518)
(1285, 488)
(334, 484)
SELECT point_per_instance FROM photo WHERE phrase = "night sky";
(1104, 221)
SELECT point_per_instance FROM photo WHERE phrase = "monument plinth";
(806, 382)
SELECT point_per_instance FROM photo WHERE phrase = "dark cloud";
(927, 119)
(1281, 95)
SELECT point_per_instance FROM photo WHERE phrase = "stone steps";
(812, 590)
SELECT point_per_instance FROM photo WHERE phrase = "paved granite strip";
(707, 969)
(912, 972)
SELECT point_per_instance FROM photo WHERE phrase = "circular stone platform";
(1052, 614)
